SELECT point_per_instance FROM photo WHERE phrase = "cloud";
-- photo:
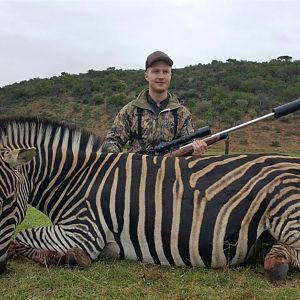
(45, 38)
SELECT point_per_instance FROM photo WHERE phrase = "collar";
(157, 109)
(142, 102)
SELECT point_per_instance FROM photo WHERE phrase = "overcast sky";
(42, 38)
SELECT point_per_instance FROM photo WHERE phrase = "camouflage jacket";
(155, 129)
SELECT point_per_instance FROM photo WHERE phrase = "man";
(155, 116)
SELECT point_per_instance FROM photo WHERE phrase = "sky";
(42, 38)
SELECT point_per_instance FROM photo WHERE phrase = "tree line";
(219, 93)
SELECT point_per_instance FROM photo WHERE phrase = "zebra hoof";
(277, 274)
(12, 249)
(77, 257)
(110, 251)
(3, 264)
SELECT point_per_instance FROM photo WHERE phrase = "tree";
(284, 58)
(231, 60)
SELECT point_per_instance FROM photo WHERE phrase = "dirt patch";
(272, 135)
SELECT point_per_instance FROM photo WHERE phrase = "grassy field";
(133, 280)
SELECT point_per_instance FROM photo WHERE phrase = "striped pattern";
(172, 211)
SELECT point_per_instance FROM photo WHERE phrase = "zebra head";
(13, 195)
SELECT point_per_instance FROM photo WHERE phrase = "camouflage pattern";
(155, 128)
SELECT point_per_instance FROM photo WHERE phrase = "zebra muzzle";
(277, 274)
(276, 269)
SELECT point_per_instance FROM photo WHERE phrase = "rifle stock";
(188, 149)
(277, 112)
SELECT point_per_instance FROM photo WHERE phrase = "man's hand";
(199, 147)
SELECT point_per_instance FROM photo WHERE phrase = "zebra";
(181, 211)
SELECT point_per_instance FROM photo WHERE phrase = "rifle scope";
(166, 146)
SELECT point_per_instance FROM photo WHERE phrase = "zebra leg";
(73, 256)
(72, 245)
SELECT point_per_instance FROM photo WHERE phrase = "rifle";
(277, 112)
(166, 147)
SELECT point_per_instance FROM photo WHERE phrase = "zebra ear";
(19, 156)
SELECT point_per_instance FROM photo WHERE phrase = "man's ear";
(146, 75)
(19, 157)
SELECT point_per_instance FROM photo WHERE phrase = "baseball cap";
(158, 56)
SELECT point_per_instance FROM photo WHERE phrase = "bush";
(275, 144)
(117, 100)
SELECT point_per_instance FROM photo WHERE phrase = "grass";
(131, 280)
(109, 279)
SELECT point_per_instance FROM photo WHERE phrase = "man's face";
(159, 77)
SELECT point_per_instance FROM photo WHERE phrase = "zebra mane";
(18, 132)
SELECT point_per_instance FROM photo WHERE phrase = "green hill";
(219, 94)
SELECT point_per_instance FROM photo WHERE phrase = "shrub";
(275, 144)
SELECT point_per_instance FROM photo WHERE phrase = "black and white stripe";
(207, 211)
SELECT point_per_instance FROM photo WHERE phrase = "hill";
(219, 94)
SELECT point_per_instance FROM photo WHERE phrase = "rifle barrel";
(277, 112)
(244, 124)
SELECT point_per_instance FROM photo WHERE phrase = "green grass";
(131, 280)
(111, 279)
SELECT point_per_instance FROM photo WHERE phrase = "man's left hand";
(200, 147)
